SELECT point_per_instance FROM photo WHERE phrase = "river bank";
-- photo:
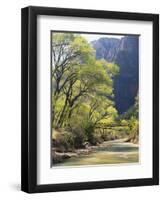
(108, 152)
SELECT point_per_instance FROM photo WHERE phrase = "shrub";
(78, 137)
(89, 128)
(63, 141)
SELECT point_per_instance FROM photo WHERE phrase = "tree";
(69, 53)
(82, 87)
(131, 119)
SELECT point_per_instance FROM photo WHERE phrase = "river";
(110, 152)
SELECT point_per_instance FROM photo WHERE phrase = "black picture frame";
(29, 99)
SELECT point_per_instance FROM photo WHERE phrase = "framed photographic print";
(90, 99)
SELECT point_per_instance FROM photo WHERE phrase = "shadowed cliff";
(124, 52)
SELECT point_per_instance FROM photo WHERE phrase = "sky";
(91, 37)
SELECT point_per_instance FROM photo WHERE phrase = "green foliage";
(131, 122)
(78, 136)
(88, 127)
(82, 92)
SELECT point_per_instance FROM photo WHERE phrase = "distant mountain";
(106, 48)
(123, 52)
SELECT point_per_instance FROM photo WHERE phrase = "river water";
(110, 152)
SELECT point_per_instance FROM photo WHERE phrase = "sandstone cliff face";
(125, 53)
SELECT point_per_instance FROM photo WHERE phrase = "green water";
(111, 152)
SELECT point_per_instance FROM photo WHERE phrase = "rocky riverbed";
(109, 152)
